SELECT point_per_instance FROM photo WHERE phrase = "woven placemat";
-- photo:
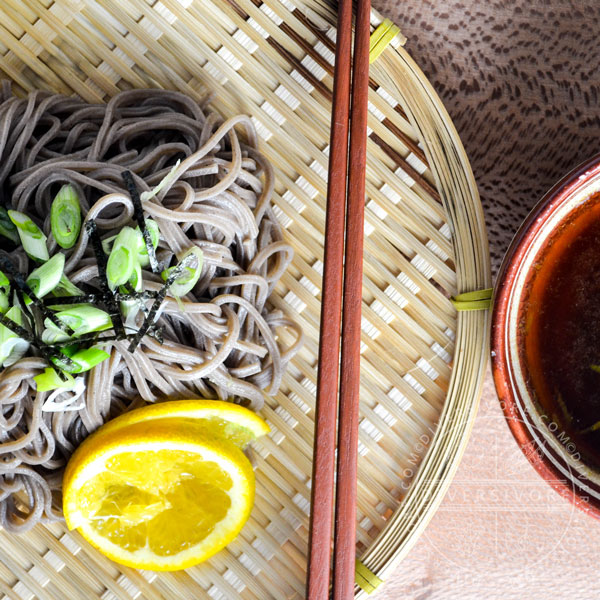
(425, 242)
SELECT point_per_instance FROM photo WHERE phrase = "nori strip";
(29, 312)
(17, 278)
(87, 299)
(107, 296)
(94, 339)
(87, 288)
(149, 320)
(17, 329)
(154, 330)
(98, 298)
(144, 295)
(62, 357)
(158, 333)
(26, 309)
(131, 293)
(138, 213)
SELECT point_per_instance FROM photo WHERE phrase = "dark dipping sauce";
(560, 326)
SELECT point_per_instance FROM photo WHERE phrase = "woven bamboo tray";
(422, 362)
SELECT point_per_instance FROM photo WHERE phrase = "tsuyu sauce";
(560, 326)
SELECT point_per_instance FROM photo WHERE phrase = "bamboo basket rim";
(395, 541)
(287, 44)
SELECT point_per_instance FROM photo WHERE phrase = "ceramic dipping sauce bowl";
(545, 340)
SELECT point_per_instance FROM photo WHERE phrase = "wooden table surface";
(520, 80)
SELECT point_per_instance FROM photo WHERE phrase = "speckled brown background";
(521, 81)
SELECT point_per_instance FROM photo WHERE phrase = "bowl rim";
(558, 194)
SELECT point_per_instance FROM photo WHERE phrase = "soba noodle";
(221, 341)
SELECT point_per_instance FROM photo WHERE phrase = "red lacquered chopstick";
(321, 517)
(340, 183)
(345, 510)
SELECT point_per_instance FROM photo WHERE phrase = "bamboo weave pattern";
(273, 61)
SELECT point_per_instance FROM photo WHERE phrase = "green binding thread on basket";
(381, 38)
(365, 579)
(477, 300)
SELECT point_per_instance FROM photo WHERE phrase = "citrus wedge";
(158, 495)
(221, 419)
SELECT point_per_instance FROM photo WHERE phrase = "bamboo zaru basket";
(422, 361)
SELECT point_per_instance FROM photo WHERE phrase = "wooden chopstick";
(345, 512)
(341, 184)
(321, 517)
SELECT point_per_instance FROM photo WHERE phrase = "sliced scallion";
(4, 302)
(51, 380)
(82, 319)
(130, 308)
(122, 259)
(152, 227)
(31, 236)
(107, 243)
(4, 292)
(65, 216)
(18, 349)
(154, 232)
(89, 358)
(15, 315)
(46, 277)
(168, 179)
(82, 360)
(12, 347)
(7, 227)
(74, 401)
(136, 280)
(53, 334)
(66, 288)
(67, 351)
(190, 276)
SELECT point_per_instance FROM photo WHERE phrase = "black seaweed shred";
(154, 330)
(21, 299)
(16, 278)
(83, 299)
(56, 353)
(17, 329)
(145, 295)
(47, 353)
(138, 213)
(94, 339)
(107, 296)
(149, 320)
(96, 298)
(87, 288)
(158, 334)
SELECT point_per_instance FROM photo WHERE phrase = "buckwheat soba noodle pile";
(138, 249)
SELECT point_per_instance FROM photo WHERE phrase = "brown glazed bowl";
(552, 452)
